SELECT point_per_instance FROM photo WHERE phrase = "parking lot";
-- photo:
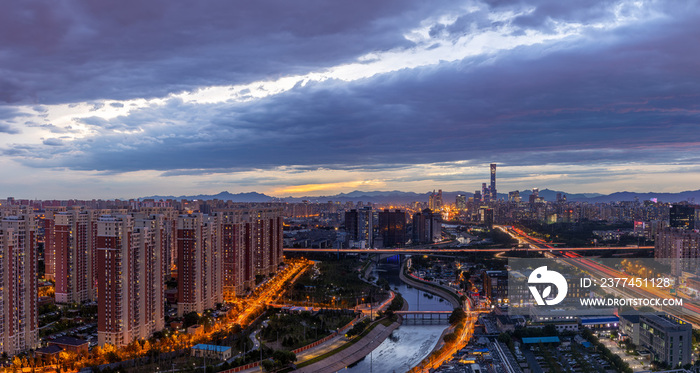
(572, 358)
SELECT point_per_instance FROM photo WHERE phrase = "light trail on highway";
(456, 250)
(691, 311)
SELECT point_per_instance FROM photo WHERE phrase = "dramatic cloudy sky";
(104, 99)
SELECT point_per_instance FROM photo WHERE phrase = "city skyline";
(129, 100)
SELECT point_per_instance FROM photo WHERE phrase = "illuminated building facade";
(18, 282)
(435, 200)
(69, 235)
(359, 225)
(251, 239)
(676, 243)
(199, 263)
(492, 189)
(683, 217)
(668, 338)
(130, 279)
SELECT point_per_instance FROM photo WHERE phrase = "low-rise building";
(668, 338)
(48, 353)
(629, 327)
(195, 330)
(496, 286)
(76, 345)
(600, 322)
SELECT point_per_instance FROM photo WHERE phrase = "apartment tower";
(18, 282)
(199, 264)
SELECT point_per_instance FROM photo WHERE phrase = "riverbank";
(409, 344)
(448, 294)
(438, 290)
(357, 351)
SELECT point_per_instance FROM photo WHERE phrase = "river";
(408, 344)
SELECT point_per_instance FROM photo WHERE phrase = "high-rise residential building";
(150, 248)
(68, 234)
(683, 216)
(170, 221)
(677, 243)
(461, 202)
(668, 338)
(129, 250)
(392, 227)
(18, 281)
(237, 248)
(494, 194)
(359, 227)
(268, 238)
(477, 196)
(49, 246)
(251, 239)
(49, 250)
(199, 264)
(427, 227)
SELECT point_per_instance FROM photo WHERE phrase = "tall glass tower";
(494, 196)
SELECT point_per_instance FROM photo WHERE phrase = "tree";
(146, 346)
(284, 357)
(458, 315)
(269, 365)
(190, 319)
(550, 330)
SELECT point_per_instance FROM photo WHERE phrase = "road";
(689, 311)
(462, 340)
(456, 250)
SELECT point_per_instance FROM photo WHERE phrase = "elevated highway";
(408, 250)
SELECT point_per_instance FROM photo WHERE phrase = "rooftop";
(599, 320)
(666, 321)
(206, 347)
(69, 341)
(630, 317)
(541, 340)
(53, 349)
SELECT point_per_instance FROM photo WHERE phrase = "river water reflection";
(408, 344)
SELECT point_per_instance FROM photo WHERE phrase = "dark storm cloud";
(601, 102)
(627, 96)
(87, 50)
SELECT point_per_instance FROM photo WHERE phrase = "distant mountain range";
(399, 197)
(226, 196)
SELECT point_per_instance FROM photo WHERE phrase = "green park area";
(333, 284)
(294, 330)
